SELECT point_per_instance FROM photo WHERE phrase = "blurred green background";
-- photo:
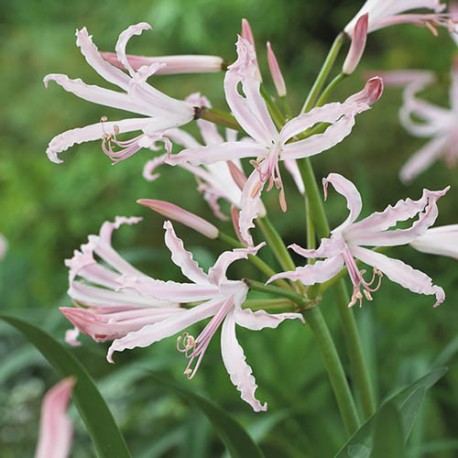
(48, 210)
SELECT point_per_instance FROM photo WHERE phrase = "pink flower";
(384, 13)
(159, 111)
(135, 310)
(268, 145)
(441, 240)
(347, 241)
(56, 430)
(436, 122)
(358, 43)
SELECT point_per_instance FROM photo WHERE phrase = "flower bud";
(275, 71)
(358, 43)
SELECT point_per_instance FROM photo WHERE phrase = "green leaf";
(408, 402)
(388, 438)
(93, 409)
(233, 435)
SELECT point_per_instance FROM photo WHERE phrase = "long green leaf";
(388, 438)
(408, 402)
(93, 409)
(233, 435)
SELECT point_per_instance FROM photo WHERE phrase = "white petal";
(439, 240)
(260, 319)
(239, 371)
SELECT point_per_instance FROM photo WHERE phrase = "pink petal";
(275, 71)
(56, 429)
(398, 272)
(170, 326)
(90, 133)
(442, 241)
(182, 258)
(239, 371)
(311, 274)
(123, 39)
(96, 94)
(373, 229)
(348, 190)
(260, 319)
(328, 248)
(96, 61)
(358, 43)
(423, 158)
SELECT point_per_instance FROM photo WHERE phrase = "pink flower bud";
(173, 64)
(358, 43)
(176, 213)
(247, 33)
(275, 71)
(371, 92)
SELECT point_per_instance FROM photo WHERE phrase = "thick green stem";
(271, 305)
(219, 117)
(301, 301)
(334, 368)
(324, 73)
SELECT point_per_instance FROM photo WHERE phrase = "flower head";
(268, 145)
(347, 241)
(135, 310)
(159, 111)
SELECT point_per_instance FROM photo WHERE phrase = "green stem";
(353, 344)
(301, 301)
(273, 305)
(334, 368)
(276, 243)
(324, 73)
(219, 117)
(257, 262)
(274, 111)
(329, 88)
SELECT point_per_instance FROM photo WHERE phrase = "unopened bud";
(275, 71)
(176, 213)
(358, 43)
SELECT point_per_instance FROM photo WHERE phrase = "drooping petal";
(239, 371)
(182, 258)
(56, 429)
(158, 331)
(401, 273)
(348, 190)
(423, 158)
(311, 274)
(260, 319)
(442, 241)
(93, 132)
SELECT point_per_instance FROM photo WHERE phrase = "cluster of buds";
(116, 302)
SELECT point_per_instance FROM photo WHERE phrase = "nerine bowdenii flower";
(347, 243)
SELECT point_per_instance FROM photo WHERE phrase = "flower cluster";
(116, 302)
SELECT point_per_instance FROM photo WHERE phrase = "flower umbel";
(347, 241)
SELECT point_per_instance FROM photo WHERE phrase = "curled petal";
(182, 258)
(255, 321)
(239, 371)
(348, 190)
(328, 248)
(56, 429)
(400, 273)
